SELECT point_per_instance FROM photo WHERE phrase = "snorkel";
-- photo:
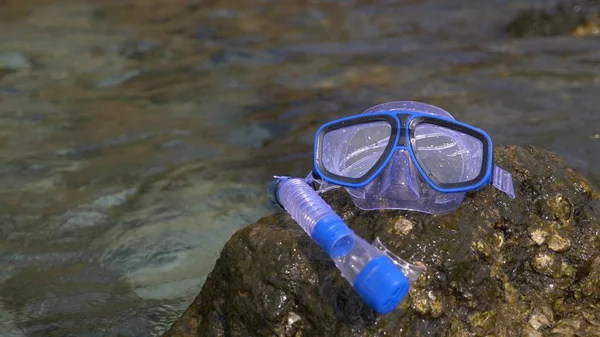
(398, 155)
(379, 277)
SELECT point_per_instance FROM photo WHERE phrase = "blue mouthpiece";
(332, 234)
(381, 284)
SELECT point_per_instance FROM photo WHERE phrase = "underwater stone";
(462, 293)
(116, 199)
(14, 61)
(117, 79)
(82, 219)
(571, 17)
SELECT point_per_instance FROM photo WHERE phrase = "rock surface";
(573, 17)
(496, 267)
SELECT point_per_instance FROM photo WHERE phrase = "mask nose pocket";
(400, 177)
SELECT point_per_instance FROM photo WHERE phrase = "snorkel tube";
(380, 278)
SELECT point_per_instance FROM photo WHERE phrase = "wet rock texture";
(575, 17)
(496, 267)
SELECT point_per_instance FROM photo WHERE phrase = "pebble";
(538, 320)
(403, 226)
(542, 263)
(559, 243)
(538, 236)
(117, 79)
(14, 61)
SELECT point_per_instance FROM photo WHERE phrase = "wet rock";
(540, 318)
(538, 236)
(565, 270)
(427, 304)
(542, 263)
(530, 332)
(490, 269)
(589, 286)
(578, 17)
(483, 322)
(561, 208)
(559, 243)
(568, 326)
(402, 226)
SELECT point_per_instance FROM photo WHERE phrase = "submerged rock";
(118, 79)
(572, 17)
(496, 267)
(14, 61)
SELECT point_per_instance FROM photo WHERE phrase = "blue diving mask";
(406, 155)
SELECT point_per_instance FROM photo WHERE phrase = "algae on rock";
(496, 267)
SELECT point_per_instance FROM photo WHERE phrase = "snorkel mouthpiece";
(379, 277)
(382, 285)
(374, 276)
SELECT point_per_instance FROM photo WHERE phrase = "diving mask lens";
(353, 151)
(448, 157)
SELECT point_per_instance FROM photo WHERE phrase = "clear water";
(137, 136)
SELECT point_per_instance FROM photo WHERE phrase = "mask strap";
(318, 184)
(503, 181)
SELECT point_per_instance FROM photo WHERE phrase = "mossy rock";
(495, 267)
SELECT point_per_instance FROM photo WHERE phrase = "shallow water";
(137, 136)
